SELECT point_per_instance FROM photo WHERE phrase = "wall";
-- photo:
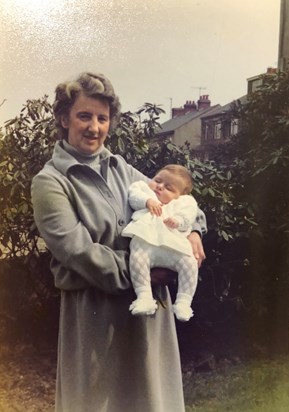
(190, 132)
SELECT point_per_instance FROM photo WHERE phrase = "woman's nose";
(93, 125)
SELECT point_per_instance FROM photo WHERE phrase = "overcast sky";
(152, 50)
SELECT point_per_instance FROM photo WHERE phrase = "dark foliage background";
(241, 304)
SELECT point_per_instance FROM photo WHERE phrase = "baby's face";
(167, 186)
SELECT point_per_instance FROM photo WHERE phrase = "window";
(217, 131)
(234, 127)
(206, 132)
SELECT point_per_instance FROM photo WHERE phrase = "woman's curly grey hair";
(91, 85)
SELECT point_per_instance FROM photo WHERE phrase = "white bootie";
(182, 311)
(143, 306)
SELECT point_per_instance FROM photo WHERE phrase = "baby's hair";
(182, 172)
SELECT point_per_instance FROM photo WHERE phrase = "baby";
(163, 218)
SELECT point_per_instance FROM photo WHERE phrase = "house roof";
(226, 108)
(172, 124)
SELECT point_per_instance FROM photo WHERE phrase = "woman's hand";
(162, 276)
(197, 246)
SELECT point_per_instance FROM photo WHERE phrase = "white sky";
(152, 50)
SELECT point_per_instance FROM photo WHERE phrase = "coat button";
(121, 222)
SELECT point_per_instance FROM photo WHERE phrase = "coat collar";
(64, 161)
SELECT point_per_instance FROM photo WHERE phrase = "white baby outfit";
(153, 244)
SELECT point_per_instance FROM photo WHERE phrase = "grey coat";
(108, 360)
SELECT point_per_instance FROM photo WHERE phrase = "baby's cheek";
(152, 184)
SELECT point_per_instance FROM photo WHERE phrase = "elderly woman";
(108, 360)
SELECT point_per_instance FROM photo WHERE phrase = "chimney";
(204, 102)
(190, 106)
(177, 111)
(271, 70)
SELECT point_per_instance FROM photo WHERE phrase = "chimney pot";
(204, 102)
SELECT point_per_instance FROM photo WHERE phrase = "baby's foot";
(182, 311)
(143, 306)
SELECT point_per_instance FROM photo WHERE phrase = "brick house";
(218, 127)
(185, 124)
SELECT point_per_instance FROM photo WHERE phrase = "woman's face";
(87, 124)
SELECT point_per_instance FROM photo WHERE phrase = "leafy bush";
(242, 190)
(259, 161)
(26, 291)
(24, 148)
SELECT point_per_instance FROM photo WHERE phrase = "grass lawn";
(27, 383)
(254, 386)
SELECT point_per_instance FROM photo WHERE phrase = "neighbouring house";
(185, 124)
(204, 126)
(218, 127)
(256, 81)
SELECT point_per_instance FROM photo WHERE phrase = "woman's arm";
(197, 246)
(85, 262)
(162, 276)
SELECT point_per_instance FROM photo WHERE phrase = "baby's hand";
(171, 223)
(154, 207)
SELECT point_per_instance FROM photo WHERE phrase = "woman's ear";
(64, 122)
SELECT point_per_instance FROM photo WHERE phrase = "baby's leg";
(139, 265)
(187, 269)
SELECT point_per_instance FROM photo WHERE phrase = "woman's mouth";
(90, 137)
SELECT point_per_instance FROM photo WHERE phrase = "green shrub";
(243, 191)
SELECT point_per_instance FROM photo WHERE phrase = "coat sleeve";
(79, 261)
(200, 224)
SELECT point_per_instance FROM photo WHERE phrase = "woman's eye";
(84, 116)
